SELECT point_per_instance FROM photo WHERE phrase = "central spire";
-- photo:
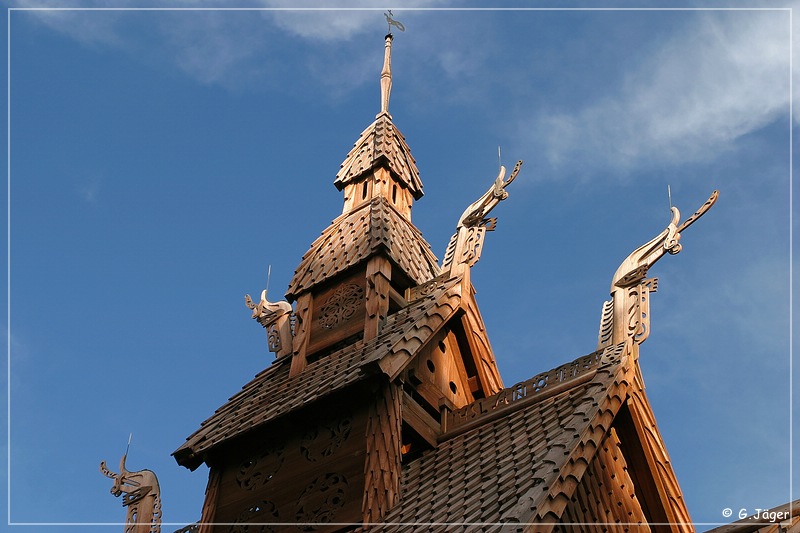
(380, 163)
(386, 75)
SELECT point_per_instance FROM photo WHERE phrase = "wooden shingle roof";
(520, 466)
(381, 143)
(274, 393)
(355, 236)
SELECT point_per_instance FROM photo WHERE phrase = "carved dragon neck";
(627, 315)
(276, 319)
(467, 242)
(140, 495)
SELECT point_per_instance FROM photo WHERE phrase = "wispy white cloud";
(93, 29)
(216, 49)
(213, 49)
(331, 24)
(722, 76)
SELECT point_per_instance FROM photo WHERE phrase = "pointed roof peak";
(381, 143)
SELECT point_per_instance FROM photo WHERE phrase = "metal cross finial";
(396, 23)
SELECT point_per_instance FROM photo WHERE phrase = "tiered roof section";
(274, 393)
(511, 466)
(381, 144)
(357, 235)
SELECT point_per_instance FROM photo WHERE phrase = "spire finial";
(386, 73)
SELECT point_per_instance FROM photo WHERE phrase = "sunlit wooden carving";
(466, 243)
(627, 314)
(140, 494)
(341, 306)
(275, 317)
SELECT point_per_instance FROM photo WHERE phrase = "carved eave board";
(534, 452)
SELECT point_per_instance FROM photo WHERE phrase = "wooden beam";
(397, 298)
(379, 272)
(419, 419)
(302, 332)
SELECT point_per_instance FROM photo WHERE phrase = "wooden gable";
(306, 469)
(629, 484)
(567, 450)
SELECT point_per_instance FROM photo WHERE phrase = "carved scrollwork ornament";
(321, 500)
(140, 495)
(259, 469)
(341, 306)
(260, 512)
(627, 315)
(321, 442)
(466, 243)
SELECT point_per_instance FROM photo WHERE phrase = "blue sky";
(161, 160)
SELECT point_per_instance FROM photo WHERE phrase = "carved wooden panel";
(338, 312)
(341, 306)
(307, 472)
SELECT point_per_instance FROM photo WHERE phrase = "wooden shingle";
(512, 468)
(381, 143)
(354, 236)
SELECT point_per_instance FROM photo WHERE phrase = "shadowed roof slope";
(513, 468)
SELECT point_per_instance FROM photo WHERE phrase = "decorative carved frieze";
(424, 289)
(536, 386)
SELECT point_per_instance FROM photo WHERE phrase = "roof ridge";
(530, 391)
(577, 453)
